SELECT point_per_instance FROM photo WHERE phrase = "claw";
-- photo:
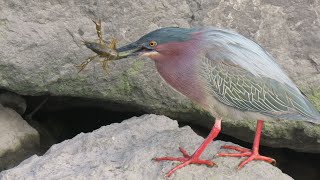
(252, 154)
(246, 153)
(195, 157)
(109, 52)
(98, 29)
(185, 160)
(113, 44)
(85, 63)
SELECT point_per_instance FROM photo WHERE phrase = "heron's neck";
(180, 72)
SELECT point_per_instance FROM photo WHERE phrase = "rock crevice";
(124, 151)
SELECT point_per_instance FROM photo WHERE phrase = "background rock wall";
(41, 43)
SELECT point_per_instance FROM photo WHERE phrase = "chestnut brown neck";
(179, 68)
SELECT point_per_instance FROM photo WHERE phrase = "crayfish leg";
(105, 65)
(85, 63)
(98, 29)
(113, 44)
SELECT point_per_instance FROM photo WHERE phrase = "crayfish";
(102, 50)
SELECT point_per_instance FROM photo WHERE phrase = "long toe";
(256, 157)
(185, 160)
(244, 152)
(194, 159)
(236, 148)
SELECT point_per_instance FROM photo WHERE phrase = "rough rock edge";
(42, 45)
(21, 146)
(125, 150)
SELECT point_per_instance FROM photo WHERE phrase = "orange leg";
(194, 159)
(251, 154)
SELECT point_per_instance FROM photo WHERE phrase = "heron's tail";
(312, 113)
(316, 120)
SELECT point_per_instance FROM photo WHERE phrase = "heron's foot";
(194, 158)
(186, 160)
(244, 152)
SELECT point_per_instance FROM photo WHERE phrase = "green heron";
(229, 76)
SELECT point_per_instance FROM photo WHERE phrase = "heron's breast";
(181, 73)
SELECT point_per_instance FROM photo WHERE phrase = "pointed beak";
(132, 49)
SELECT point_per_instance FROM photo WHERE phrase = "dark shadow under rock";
(124, 151)
(62, 118)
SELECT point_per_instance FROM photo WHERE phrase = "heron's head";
(162, 44)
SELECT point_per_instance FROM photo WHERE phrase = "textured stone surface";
(18, 140)
(40, 44)
(13, 101)
(125, 150)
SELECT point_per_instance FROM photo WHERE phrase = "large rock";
(41, 43)
(125, 150)
(18, 140)
(13, 101)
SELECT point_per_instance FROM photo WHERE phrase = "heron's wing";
(237, 87)
(239, 50)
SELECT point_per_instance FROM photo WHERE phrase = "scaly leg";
(251, 154)
(85, 63)
(194, 159)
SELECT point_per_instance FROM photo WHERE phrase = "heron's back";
(241, 74)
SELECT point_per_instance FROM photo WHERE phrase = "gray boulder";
(125, 150)
(18, 140)
(41, 44)
(13, 101)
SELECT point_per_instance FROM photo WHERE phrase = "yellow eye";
(152, 43)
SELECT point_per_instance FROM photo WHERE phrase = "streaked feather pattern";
(236, 49)
(240, 74)
(213, 66)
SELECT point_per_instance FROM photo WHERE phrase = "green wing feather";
(238, 88)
